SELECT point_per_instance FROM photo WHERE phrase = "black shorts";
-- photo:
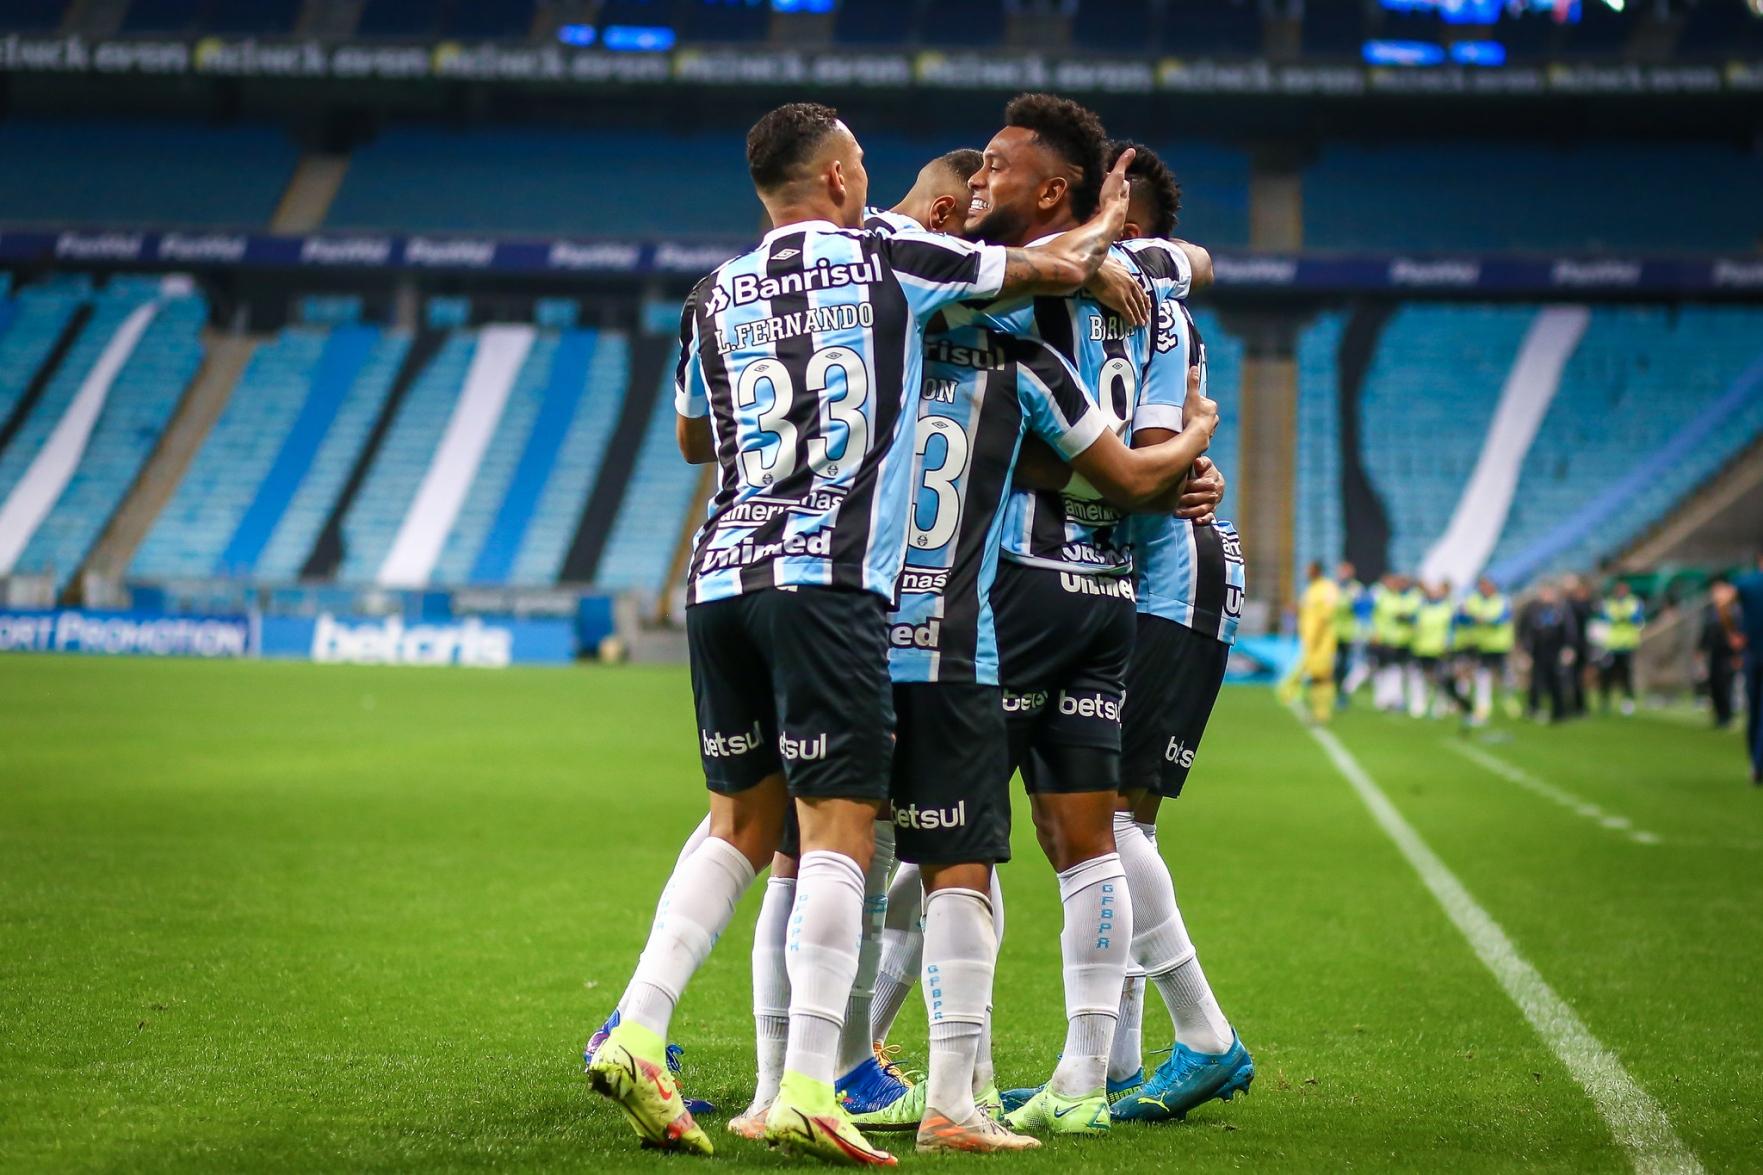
(951, 789)
(797, 681)
(1171, 686)
(1494, 661)
(1063, 644)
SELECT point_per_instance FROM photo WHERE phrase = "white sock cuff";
(1149, 829)
(1087, 873)
(728, 858)
(837, 868)
(1124, 824)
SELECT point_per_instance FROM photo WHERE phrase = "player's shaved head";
(939, 198)
(1155, 205)
(806, 163)
(1042, 172)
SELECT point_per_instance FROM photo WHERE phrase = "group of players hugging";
(963, 526)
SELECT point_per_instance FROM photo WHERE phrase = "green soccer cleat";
(630, 1067)
(991, 1103)
(904, 1113)
(1048, 1113)
(806, 1119)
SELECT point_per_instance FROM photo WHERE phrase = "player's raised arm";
(1065, 263)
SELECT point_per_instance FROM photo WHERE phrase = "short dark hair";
(962, 162)
(1151, 175)
(1074, 134)
(781, 142)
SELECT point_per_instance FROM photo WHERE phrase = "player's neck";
(783, 215)
(1036, 230)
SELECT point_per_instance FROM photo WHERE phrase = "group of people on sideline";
(1427, 652)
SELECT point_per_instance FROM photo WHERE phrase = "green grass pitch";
(296, 918)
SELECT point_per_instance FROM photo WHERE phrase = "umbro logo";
(786, 254)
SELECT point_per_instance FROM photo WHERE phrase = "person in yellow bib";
(1319, 640)
(1487, 614)
(1620, 620)
(1434, 622)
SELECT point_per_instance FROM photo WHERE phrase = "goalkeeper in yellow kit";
(1318, 642)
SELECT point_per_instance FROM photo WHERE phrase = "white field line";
(1635, 1119)
(1555, 795)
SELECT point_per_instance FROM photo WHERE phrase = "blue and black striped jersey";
(883, 220)
(1193, 575)
(805, 353)
(1074, 530)
(983, 392)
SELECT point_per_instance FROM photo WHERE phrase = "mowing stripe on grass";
(1512, 773)
(1636, 1120)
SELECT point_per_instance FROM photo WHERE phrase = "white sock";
(855, 1043)
(700, 901)
(1095, 944)
(902, 949)
(822, 960)
(692, 842)
(960, 955)
(771, 986)
(1127, 1056)
(1484, 690)
(1162, 947)
(1416, 692)
(984, 1074)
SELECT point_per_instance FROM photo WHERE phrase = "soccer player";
(1408, 603)
(1387, 647)
(938, 200)
(1349, 632)
(1621, 619)
(800, 364)
(1434, 640)
(1064, 602)
(1189, 577)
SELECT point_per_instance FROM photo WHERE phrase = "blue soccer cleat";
(871, 1086)
(694, 1105)
(1189, 1079)
(1015, 1099)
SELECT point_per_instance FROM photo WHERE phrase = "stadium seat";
(399, 18)
(36, 317)
(657, 499)
(963, 24)
(1720, 29)
(125, 172)
(1462, 196)
(31, 16)
(1601, 32)
(162, 16)
(1333, 28)
(1212, 28)
(1319, 532)
(876, 22)
(727, 21)
(270, 17)
(491, 19)
(1113, 26)
(140, 401)
(424, 179)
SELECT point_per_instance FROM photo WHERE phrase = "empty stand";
(658, 495)
(1321, 535)
(102, 172)
(463, 182)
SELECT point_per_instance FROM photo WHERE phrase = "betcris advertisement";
(140, 634)
(473, 642)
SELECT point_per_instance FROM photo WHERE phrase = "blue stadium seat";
(876, 22)
(963, 24)
(491, 19)
(1465, 196)
(31, 16)
(162, 16)
(1319, 529)
(1113, 26)
(656, 502)
(1720, 29)
(125, 172)
(1333, 28)
(268, 17)
(1600, 32)
(728, 21)
(399, 18)
(140, 401)
(425, 179)
(1212, 28)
